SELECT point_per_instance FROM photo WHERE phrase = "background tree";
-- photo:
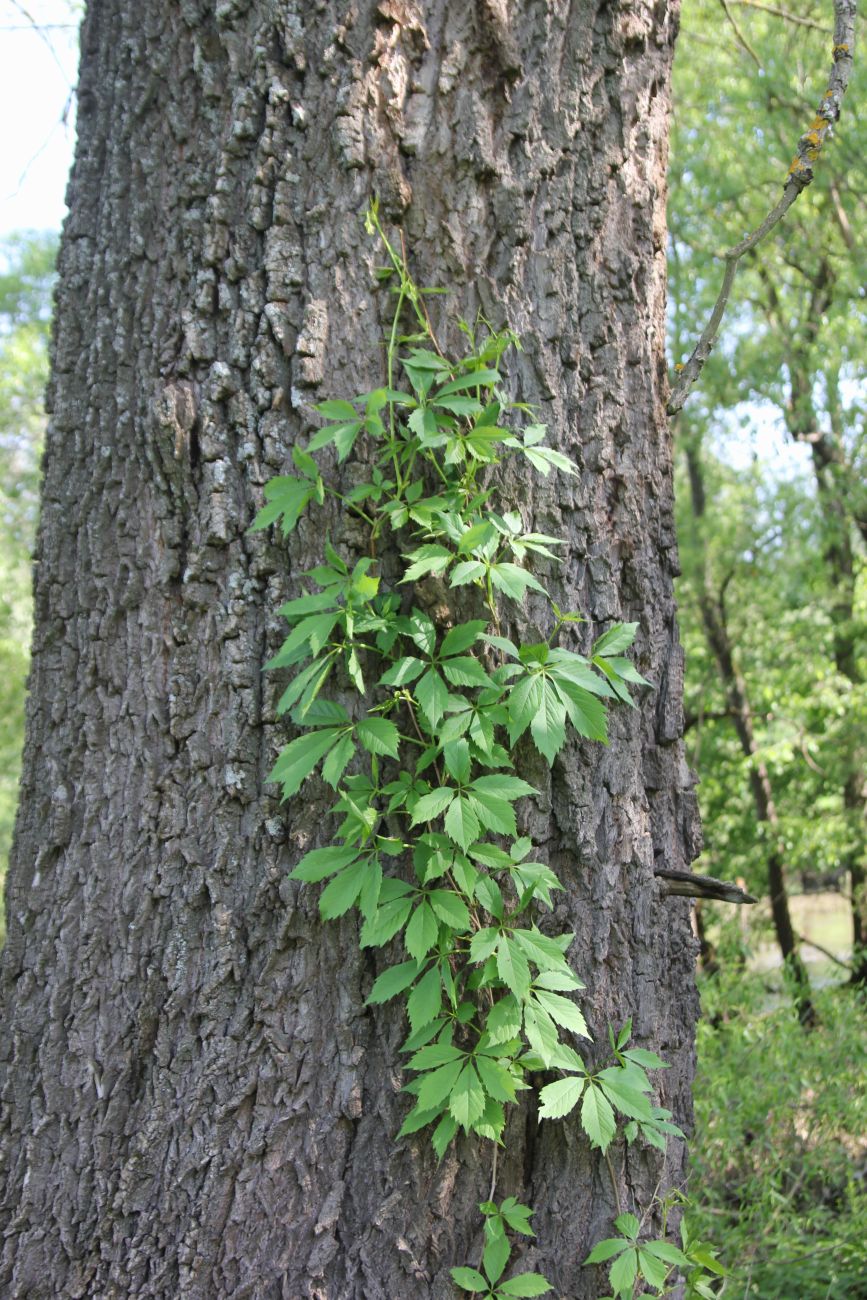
(196, 1100)
(791, 360)
(26, 278)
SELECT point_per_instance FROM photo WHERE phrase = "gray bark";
(196, 1102)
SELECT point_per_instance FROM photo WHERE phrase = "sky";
(38, 70)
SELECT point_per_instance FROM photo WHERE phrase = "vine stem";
(614, 1183)
(493, 1173)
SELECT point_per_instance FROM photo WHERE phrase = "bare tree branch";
(799, 176)
(784, 13)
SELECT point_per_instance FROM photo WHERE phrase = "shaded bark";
(196, 1101)
(713, 615)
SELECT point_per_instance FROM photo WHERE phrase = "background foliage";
(26, 276)
(778, 1154)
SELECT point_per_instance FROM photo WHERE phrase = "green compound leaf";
(559, 1098)
(438, 1084)
(466, 671)
(497, 1081)
(666, 1251)
(425, 560)
(391, 982)
(461, 822)
(319, 863)
(467, 1100)
(525, 1284)
(467, 571)
(617, 639)
(512, 967)
(468, 1279)
(300, 758)
(652, 1269)
(423, 1004)
(628, 1225)
(443, 1134)
(450, 908)
(337, 761)
(597, 1117)
(623, 1273)
(433, 696)
(505, 1017)
(514, 581)
(379, 736)
(341, 894)
(494, 814)
(460, 638)
(403, 672)
(548, 726)
(562, 1011)
(421, 933)
(432, 805)
(606, 1249)
(287, 498)
(435, 1055)
(497, 1250)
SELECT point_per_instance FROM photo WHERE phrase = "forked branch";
(799, 176)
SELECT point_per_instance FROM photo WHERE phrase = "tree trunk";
(196, 1101)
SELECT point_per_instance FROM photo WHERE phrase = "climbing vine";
(427, 848)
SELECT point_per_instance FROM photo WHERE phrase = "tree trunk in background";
(714, 619)
(196, 1101)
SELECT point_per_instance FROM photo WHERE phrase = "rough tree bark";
(196, 1102)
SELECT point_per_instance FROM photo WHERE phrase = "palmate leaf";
(541, 1033)
(421, 932)
(287, 498)
(512, 967)
(307, 638)
(427, 559)
(443, 1134)
(337, 897)
(391, 982)
(319, 863)
(525, 1284)
(558, 1099)
(497, 1249)
(432, 805)
(469, 1279)
(497, 1080)
(514, 581)
(623, 1273)
(607, 1249)
(379, 736)
(438, 1084)
(562, 1011)
(504, 1019)
(433, 696)
(467, 1099)
(450, 908)
(299, 758)
(462, 822)
(548, 725)
(597, 1117)
(494, 814)
(617, 639)
(423, 1004)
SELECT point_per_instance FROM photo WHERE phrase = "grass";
(779, 1156)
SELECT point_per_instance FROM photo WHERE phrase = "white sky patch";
(38, 70)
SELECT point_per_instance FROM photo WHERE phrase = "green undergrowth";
(779, 1156)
